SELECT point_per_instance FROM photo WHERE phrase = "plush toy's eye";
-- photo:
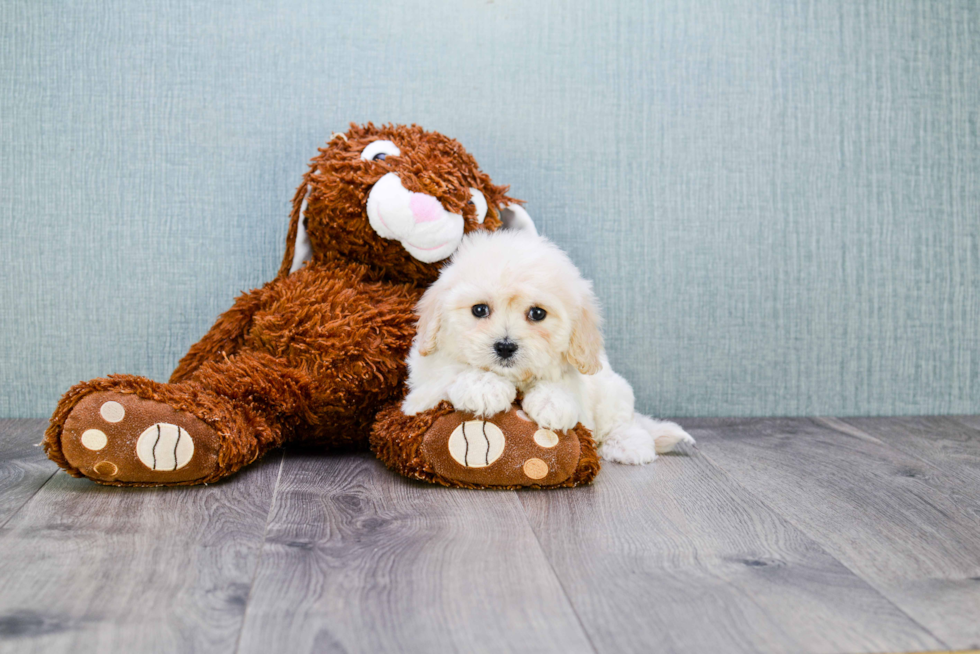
(536, 314)
(480, 203)
(480, 310)
(379, 151)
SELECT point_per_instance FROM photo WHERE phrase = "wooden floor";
(775, 535)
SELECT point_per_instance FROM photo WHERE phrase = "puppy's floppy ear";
(585, 347)
(429, 310)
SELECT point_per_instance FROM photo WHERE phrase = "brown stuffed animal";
(318, 354)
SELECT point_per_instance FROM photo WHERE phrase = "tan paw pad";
(546, 438)
(112, 411)
(535, 469)
(106, 468)
(94, 439)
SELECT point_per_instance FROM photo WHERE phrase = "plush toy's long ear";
(430, 317)
(298, 247)
(513, 216)
(585, 348)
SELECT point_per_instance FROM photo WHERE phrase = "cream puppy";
(512, 312)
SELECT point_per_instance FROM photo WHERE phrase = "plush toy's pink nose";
(425, 208)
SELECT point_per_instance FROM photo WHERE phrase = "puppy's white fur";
(560, 364)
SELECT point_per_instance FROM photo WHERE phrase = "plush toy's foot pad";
(507, 450)
(121, 438)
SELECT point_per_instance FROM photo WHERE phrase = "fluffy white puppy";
(512, 312)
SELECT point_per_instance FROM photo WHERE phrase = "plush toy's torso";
(349, 335)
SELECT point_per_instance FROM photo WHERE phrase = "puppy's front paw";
(482, 393)
(551, 406)
(414, 403)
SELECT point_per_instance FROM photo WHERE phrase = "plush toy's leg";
(126, 430)
(508, 450)
(225, 337)
(310, 356)
(131, 431)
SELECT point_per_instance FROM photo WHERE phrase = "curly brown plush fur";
(315, 354)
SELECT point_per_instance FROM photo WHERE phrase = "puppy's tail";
(666, 435)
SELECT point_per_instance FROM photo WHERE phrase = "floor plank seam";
(258, 559)
(831, 423)
(835, 423)
(27, 501)
(961, 422)
(734, 481)
(554, 573)
(905, 451)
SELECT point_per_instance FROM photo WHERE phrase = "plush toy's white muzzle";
(416, 220)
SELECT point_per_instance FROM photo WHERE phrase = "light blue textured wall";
(779, 201)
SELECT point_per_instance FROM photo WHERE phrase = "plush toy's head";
(396, 198)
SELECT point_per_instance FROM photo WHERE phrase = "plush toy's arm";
(224, 337)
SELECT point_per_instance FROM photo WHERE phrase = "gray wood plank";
(946, 444)
(23, 466)
(676, 557)
(970, 421)
(889, 516)
(88, 567)
(358, 559)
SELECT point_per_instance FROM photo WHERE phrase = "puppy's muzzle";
(505, 348)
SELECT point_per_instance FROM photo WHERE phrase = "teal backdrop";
(779, 202)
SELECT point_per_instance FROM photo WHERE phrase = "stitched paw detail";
(505, 449)
(122, 438)
(165, 447)
(478, 447)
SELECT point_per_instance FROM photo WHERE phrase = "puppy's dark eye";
(480, 310)
(379, 157)
(536, 314)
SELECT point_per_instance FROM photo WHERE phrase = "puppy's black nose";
(505, 349)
